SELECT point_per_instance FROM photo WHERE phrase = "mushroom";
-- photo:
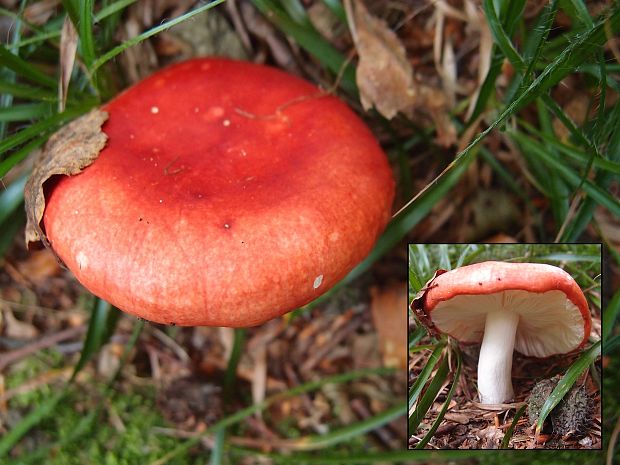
(228, 194)
(537, 309)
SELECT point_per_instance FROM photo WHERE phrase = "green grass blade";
(574, 152)
(444, 257)
(15, 223)
(25, 112)
(579, 12)
(11, 198)
(425, 374)
(567, 382)
(27, 92)
(18, 155)
(103, 319)
(113, 8)
(38, 414)
(422, 264)
(510, 431)
(537, 38)
(440, 416)
(104, 58)
(598, 194)
(37, 128)
(217, 453)
(85, 32)
(559, 192)
(296, 12)
(416, 336)
(336, 8)
(24, 69)
(311, 41)
(510, 12)
(414, 212)
(219, 445)
(72, 7)
(501, 37)
(610, 316)
(612, 344)
(580, 49)
(417, 415)
(351, 431)
(468, 254)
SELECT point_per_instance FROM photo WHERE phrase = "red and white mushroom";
(536, 309)
(228, 194)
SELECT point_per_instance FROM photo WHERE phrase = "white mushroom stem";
(495, 362)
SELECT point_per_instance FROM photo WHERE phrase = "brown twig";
(42, 343)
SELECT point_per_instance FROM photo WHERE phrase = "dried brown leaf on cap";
(384, 76)
(67, 152)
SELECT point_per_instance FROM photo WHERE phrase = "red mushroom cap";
(228, 194)
(554, 314)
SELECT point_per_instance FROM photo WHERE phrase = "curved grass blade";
(425, 374)
(85, 32)
(417, 415)
(103, 319)
(579, 12)
(487, 89)
(510, 431)
(24, 69)
(598, 194)
(567, 381)
(604, 164)
(37, 128)
(501, 37)
(104, 58)
(455, 381)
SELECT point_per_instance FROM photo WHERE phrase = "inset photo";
(504, 346)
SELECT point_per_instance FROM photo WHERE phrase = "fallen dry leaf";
(68, 47)
(68, 151)
(39, 266)
(389, 314)
(384, 76)
(17, 329)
